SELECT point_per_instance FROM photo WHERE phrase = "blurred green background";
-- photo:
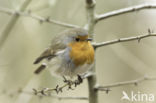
(119, 62)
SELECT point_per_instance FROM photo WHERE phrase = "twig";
(135, 82)
(57, 89)
(97, 45)
(67, 98)
(39, 18)
(47, 91)
(5, 33)
(124, 11)
(90, 8)
(19, 91)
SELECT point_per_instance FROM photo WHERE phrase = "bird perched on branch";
(70, 53)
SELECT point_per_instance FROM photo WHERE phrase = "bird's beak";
(89, 39)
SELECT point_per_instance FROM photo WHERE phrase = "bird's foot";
(78, 81)
(68, 82)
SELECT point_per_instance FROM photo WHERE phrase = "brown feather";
(39, 69)
(46, 54)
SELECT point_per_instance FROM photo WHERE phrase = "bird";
(70, 53)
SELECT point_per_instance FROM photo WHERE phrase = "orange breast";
(82, 53)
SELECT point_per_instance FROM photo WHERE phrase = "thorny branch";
(47, 92)
(20, 91)
(36, 17)
(139, 38)
(57, 89)
(135, 82)
(68, 83)
(124, 11)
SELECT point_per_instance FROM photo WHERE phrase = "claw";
(64, 79)
(79, 79)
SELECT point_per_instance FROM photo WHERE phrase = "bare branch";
(19, 91)
(124, 11)
(135, 82)
(36, 17)
(96, 45)
(90, 8)
(5, 33)
(67, 98)
(68, 83)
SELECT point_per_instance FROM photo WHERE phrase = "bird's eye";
(77, 39)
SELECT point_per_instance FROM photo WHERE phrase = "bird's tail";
(40, 68)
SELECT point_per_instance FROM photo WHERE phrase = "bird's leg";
(76, 82)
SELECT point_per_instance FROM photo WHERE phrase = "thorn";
(107, 90)
(43, 92)
(57, 89)
(41, 21)
(136, 83)
(70, 88)
(79, 79)
(19, 90)
(16, 13)
(35, 91)
(29, 11)
(65, 80)
(47, 19)
(133, 9)
(149, 31)
(119, 40)
(61, 90)
(139, 39)
(57, 86)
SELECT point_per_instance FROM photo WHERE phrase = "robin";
(70, 52)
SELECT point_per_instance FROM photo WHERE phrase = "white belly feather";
(60, 65)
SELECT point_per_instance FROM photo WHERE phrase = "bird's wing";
(57, 45)
(48, 53)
